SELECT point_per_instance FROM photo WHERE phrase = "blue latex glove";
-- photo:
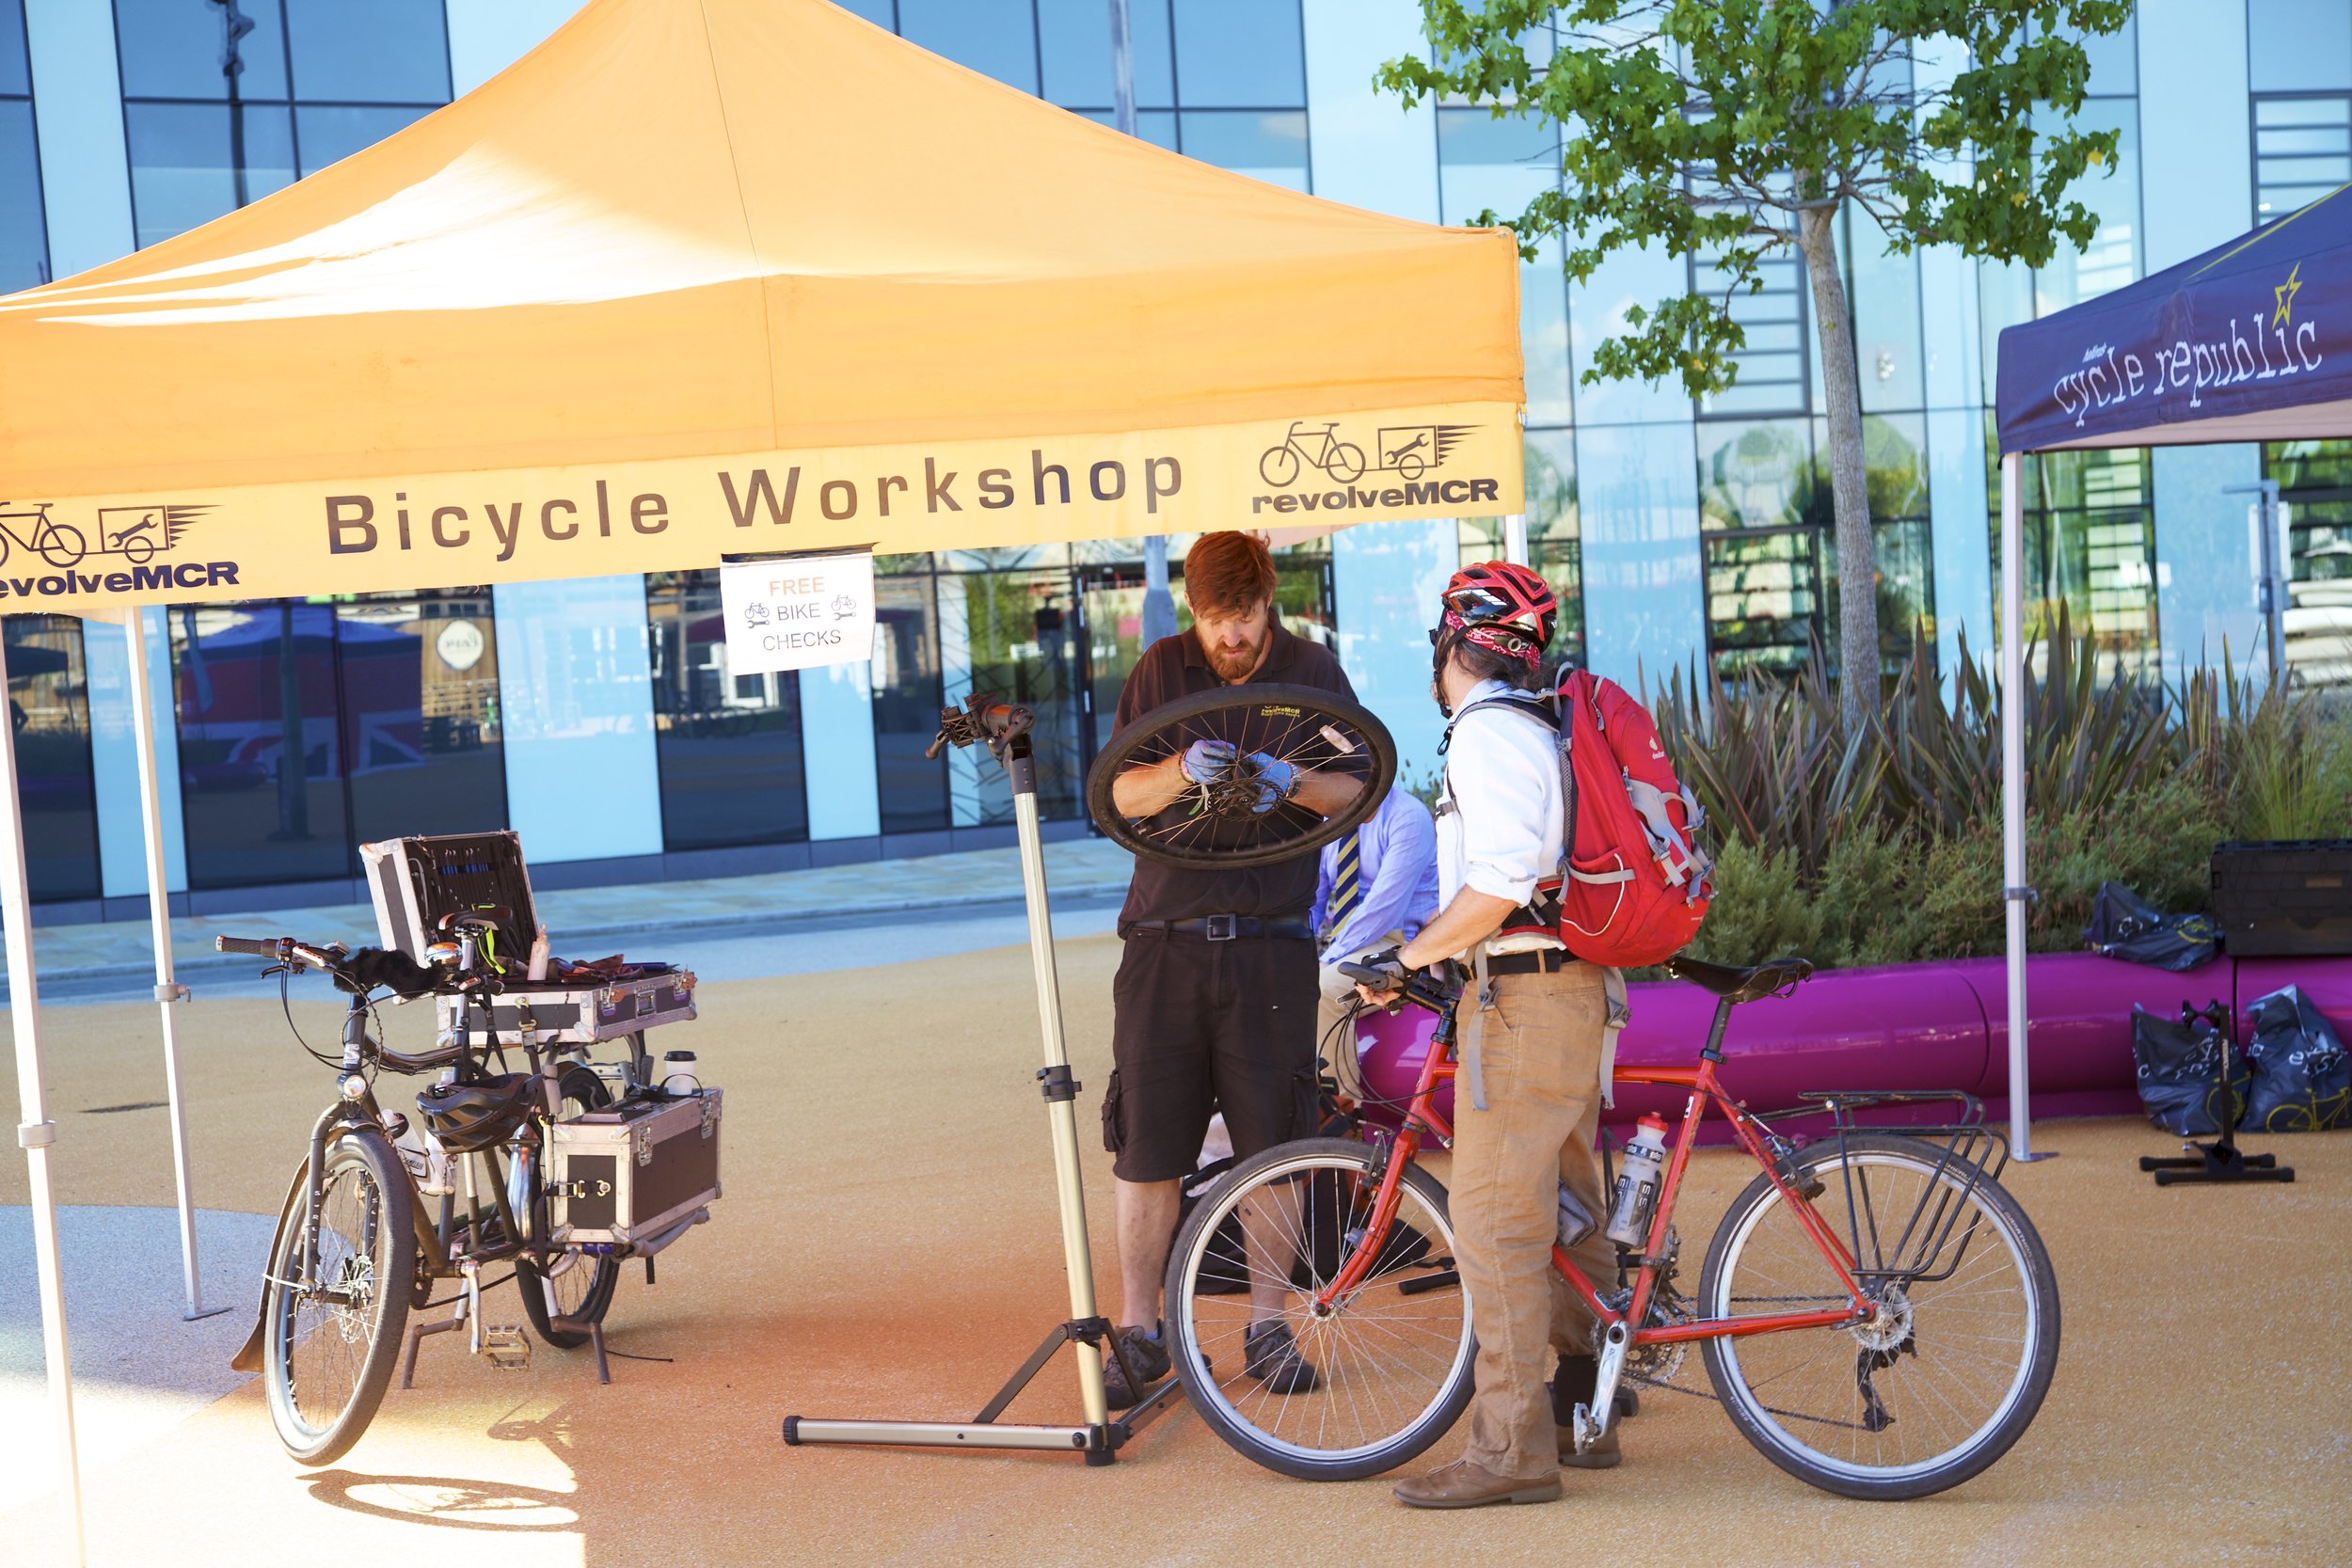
(1276, 780)
(1208, 761)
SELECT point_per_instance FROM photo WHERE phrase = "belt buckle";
(1221, 928)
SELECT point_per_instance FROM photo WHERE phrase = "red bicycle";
(1877, 1313)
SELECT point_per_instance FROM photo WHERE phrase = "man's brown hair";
(1228, 573)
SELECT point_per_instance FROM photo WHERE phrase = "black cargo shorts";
(1199, 1027)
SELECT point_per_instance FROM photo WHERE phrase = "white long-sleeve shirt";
(1500, 820)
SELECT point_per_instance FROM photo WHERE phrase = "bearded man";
(1213, 1008)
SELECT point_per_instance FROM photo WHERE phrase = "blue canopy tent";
(2250, 342)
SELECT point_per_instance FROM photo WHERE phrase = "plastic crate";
(2290, 899)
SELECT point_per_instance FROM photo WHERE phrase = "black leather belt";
(1222, 927)
(1542, 960)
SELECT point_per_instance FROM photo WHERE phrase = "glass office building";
(599, 718)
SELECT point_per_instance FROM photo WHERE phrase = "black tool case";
(2284, 899)
(631, 1171)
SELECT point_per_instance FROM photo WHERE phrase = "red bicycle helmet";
(1499, 606)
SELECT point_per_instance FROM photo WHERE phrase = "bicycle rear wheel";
(573, 1284)
(328, 1347)
(1948, 1373)
(1390, 1361)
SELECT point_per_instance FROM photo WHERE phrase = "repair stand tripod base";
(1097, 1436)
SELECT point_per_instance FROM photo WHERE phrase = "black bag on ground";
(2125, 926)
(2180, 1067)
(2302, 1078)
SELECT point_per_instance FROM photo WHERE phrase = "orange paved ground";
(887, 1246)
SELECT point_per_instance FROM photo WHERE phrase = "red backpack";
(1634, 883)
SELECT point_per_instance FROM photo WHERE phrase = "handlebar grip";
(259, 947)
(1379, 979)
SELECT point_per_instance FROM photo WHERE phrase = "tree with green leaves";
(1734, 131)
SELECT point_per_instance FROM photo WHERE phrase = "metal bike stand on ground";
(2220, 1160)
(1005, 729)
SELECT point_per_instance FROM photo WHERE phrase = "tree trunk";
(1857, 552)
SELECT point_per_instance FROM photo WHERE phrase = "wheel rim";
(1387, 1362)
(1312, 730)
(1959, 1353)
(326, 1340)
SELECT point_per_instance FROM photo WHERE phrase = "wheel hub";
(1888, 1326)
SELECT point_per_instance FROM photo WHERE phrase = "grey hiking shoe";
(1271, 1355)
(1145, 1354)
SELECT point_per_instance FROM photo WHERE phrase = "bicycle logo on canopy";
(1407, 450)
(136, 534)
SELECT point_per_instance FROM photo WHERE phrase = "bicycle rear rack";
(1966, 1147)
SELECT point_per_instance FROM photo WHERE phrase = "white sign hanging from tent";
(794, 612)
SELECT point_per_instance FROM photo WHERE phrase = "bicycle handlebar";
(265, 947)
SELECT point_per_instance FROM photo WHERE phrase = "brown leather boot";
(1464, 1485)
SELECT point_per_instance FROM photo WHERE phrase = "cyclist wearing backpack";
(1528, 1100)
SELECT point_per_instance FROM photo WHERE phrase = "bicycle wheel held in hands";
(1333, 760)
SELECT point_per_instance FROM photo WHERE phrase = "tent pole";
(167, 990)
(35, 1131)
(1514, 538)
(2014, 892)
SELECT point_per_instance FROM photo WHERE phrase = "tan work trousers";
(1541, 1055)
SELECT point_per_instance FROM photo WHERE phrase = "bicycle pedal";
(507, 1346)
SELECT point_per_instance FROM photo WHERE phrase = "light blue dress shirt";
(1397, 868)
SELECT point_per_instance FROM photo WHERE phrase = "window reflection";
(1268, 145)
(907, 695)
(1768, 521)
(422, 734)
(307, 728)
(728, 746)
(49, 709)
(2090, 533)
(261, 777)
(1240, 54)
(23, 224)
(2316, 484)
(218, 116)
(995, 38)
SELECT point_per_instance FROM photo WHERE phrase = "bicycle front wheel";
(330, 1338)
(1360, 1387)
(1951, 1368)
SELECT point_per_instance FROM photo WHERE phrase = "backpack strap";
(1544, 709)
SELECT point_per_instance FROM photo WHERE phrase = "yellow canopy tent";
(706, 276)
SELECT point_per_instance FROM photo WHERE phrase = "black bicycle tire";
(1329, 705)
(390, 1176)
(1969, 1462)
(574, 1082)
(1176, 1287)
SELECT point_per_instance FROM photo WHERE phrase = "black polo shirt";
(1176, 667)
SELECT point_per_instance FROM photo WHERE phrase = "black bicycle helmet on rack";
(468, 1117)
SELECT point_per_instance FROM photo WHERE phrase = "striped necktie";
(1347, 887)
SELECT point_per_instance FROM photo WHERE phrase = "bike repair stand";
(1005, 729)
(2220, 1160)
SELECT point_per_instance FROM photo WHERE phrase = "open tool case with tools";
(633, 1174)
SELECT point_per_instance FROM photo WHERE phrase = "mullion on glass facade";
(2316, 486)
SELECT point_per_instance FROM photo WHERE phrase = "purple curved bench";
(1906, 1026)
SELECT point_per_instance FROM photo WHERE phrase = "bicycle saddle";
(1741, 985)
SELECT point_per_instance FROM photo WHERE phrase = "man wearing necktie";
(1377, 888)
